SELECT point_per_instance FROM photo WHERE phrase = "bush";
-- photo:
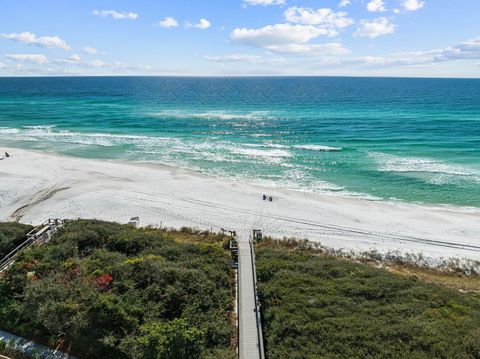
(170, 340)
(12, 235)
(103, 290)
(319, 306)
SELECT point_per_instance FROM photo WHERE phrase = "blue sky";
(438, 38)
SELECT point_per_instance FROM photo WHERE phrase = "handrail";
(47, 228)
(30, 348)
(257, 304)
(17, 249)
(238, 305)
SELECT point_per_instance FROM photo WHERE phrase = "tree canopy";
(11, 235)
(103, 290)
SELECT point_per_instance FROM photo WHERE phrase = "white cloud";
(74, 58)
(90, 50)
(74, 62)
(38, 59)
(41, 41)
(264, 2)
(344, 3)
(279, 37)
(376, 6)
(320, 17)
(289, 39)
(168, 22)
(2, 66)
(116, 14)
(96, 63)
(325, 49)
(375, 28)
(466, 50)
(413, 5)
(203, 24)
(232, 58)
(392, 60)
(247, 58)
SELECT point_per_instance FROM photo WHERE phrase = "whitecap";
(438, 172)
(317, 148)
(38, 127)
(213, 114)
(277, 153)
(9, 130)
(265, 145)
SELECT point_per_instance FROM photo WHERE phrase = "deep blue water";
(415, 140)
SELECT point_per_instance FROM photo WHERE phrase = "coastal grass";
(452, 280)
(104, 290)
(318, 305)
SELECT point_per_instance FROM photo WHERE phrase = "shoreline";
(39, 185)
(331, 193)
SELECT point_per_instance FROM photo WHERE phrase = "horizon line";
(244, 76)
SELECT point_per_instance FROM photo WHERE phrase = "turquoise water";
(414, 140)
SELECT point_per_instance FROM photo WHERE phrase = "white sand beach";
(35, 186)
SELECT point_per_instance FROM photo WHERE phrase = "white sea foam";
(40, 127)
(8, 130)
(437, 172)
(266, 145)
(317, 148)
(275, 145)
(46, 133)
(277, 153)
(214, 114)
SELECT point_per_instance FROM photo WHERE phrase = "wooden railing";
(38, 235)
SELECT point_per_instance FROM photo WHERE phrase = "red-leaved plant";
(103, 282)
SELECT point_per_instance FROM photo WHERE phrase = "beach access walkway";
(249, 324)
(38, 235)
(30, 348)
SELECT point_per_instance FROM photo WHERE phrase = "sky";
(414, 38)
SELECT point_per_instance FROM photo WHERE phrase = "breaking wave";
(317, 148)
(214, 115)
(431, 170)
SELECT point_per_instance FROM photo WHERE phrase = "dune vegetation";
(104, 290)
(316, 305)
(11, 235)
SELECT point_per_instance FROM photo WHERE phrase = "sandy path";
(35, 186)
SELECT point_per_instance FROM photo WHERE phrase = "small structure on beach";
(134, 222)
(232, 234)
(234, 251)
(257, 235)
(233, 246)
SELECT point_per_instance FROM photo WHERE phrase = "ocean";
(398, 139)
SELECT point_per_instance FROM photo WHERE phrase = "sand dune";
(35, 186)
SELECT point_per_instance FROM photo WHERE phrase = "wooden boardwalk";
(249, 324)
(38, 235)
(30, 348)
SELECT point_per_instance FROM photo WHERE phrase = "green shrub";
(103, 290)
(11, 235)
(319, 306)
